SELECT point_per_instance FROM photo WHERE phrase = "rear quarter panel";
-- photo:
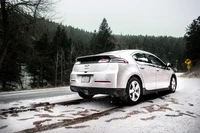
(125, 73)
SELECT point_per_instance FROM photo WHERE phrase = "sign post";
(188, 63)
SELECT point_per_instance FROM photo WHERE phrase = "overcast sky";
(134, 17)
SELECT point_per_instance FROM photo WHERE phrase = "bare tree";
(30, 9)
(17, 18)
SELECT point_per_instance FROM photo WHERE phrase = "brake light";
(73, 80)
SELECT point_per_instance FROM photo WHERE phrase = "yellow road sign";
(188, 67)
(188, 61)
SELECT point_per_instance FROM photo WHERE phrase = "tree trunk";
(34, 78)
(42, 75)
(61, 69)
(64, 68)
(3, 48)
(4, 85)
(56, 76)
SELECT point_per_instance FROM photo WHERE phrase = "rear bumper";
(109, 78)
(116, 92)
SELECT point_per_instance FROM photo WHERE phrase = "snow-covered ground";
(177, 112)
(39, 100)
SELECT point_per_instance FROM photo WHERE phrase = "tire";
(84, 96)
(133, 91)
(173, 84)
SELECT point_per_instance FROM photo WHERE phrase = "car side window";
(155, 61)
(140, 57)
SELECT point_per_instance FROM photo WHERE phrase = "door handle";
(157, 70)
(141, 67)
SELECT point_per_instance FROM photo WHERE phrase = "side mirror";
(169, 65)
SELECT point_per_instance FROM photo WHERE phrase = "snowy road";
(6, 97)
(178, 112)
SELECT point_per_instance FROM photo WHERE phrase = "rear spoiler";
(94, 58)
(100, 59)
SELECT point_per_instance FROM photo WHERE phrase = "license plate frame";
(85, 79)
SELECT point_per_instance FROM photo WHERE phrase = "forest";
(36, 52)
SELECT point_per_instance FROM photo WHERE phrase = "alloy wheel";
(173, 84)
(134, 90)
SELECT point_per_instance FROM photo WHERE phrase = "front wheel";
(133, 91)
(84, 96)
(173, 84)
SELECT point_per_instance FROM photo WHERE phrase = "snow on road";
(177, 112)
(39, 100)
(35, 94)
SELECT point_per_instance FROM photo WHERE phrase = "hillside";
(47, 51)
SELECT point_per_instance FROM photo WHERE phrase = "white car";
(127, 74)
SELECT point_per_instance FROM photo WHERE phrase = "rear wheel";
(173, 84)
(84, 96)
(133, 91)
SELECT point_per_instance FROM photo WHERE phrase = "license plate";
(85, 79)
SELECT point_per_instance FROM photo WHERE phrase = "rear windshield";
(93, 59)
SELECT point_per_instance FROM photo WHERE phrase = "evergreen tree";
(192, 37)
(39, 65)
(62, 56)
(103, 41)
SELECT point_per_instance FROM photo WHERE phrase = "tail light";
(119, 60)
(72, 80)
(114, 60)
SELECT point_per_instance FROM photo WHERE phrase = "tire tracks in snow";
(94, 116)
(46, 104)
(66, 123)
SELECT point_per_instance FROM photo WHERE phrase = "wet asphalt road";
(6, 97)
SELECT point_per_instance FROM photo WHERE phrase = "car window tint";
(155, 60)
(140, 57)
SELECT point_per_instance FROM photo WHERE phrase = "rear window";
(94, 59)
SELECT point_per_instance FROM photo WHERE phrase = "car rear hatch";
(96, 63)
(91, 63)
(96, 70)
